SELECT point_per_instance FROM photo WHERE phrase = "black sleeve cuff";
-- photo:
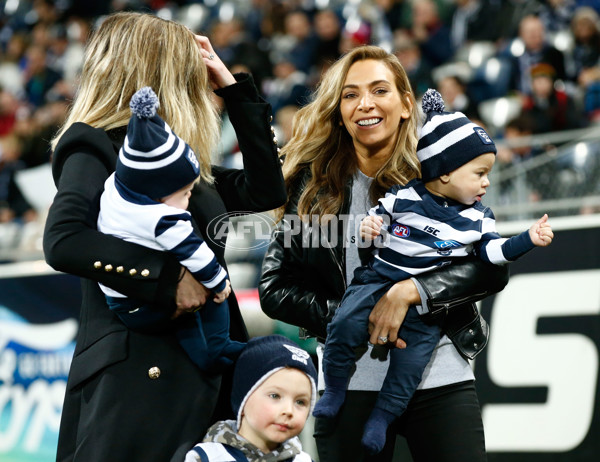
(167, 283)
(243, 90)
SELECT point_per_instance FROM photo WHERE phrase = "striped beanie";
(153, 161)
(448, 140)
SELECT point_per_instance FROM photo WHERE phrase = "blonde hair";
(133, 50)
(321, 142)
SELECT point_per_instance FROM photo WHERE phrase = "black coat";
(303, 285)
(117, 407)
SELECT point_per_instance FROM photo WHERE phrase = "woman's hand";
(218, 74)
(190, 295)
(388, 314)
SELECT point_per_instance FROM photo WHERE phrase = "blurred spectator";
(253, 23)
(585, 27)
(272, 24)
(595, 4)
(289, 85)
(40, 35)
(12, 62)
(78, 31)
(39, 78)
(516, 151)
(591, 99)
(430, 33)
(474, 20)
(417, 69)
(36, 131)
(303, 40)
(512, 13)
(556, 14)
(89, 10)
(45, 12)
(13, 204)
(9, 106)
(233, 46)
(58, 43)
(328, 29)
(355, 34)
(397, 13)
(283, 123)
(454, 94)
(536, 50)
(551, 108)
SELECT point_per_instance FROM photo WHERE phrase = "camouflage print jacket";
(222, 443)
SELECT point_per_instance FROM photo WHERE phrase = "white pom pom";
(432, 101)
(144, 103)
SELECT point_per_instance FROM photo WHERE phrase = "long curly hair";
(129, 51)
(321, 142)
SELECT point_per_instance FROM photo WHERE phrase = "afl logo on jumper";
(400, 230)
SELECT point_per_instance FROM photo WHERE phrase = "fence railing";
(555, 173)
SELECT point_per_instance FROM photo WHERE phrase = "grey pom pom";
(144, 103)
(432, 101)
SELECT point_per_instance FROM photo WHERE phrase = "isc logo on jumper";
(400, 230)
(445, 247)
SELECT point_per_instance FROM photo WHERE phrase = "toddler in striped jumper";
(426, 223)
(145, 202)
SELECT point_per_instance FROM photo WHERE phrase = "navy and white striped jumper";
(137, 218)
(425, 232)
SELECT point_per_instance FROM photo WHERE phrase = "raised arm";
(259, 186)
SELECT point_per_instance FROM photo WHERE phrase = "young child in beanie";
(429, 222)
(274, 390)
(145, 201)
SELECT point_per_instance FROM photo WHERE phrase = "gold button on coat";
(145, 273)
(97, 264)
(154, 373)
(108, 268)
(120, 269)
(132, 272)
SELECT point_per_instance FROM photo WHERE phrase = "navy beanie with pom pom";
(448, 140)
(153, 161)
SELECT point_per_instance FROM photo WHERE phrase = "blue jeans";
(205, 339)
(348, 330)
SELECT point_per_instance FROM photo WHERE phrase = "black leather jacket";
(303, 285)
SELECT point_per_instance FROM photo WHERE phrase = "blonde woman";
(356, 139)
(132, 395)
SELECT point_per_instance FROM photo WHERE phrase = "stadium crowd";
(544, 53)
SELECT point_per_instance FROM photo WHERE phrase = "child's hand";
(541, 232)
(370, 227)
(221, 296)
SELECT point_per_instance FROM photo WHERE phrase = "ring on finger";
(211, 56)
(383, 339)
